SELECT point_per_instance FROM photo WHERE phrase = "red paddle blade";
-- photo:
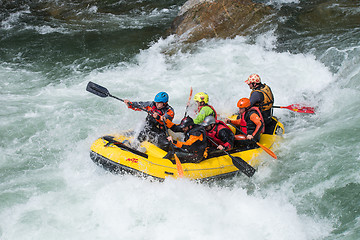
(271, 153)
(179, 167)
(300, 108)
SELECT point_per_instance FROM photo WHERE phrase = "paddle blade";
(188, 103)
(271, 153)
(299, 108)
(191, 92)
(97, 89)
(178, 166)
(243, 166)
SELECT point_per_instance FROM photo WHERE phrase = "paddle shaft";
(177, 160)
(116, 97)
(271, 153)
(240, 130)
(188, 103)
(238, 162)
(103, 92)
(211, 140)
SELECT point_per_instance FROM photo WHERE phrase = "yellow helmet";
(201, 97)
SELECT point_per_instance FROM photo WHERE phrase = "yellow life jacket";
(268, 98)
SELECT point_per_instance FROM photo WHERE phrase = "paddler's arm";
(137, 106)
(227, 137)
(128, 103)
(189, 142)
(171, 125)
(259, 125)
(256, 97)
(169, 114)
(235, 122)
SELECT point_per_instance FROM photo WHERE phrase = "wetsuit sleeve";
(259, 124)
(236, 122)
(204, 112)
(169, 114)
(226, 136)
(192, 139)
(256, 97)
(140, 106)
(172, 126)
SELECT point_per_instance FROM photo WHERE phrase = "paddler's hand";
(163, 118)
(249, 137)
(220, 147)
(156, 115)
(127, 102)
(227, 120)
(169, 138)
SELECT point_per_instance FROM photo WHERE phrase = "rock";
(199, 19)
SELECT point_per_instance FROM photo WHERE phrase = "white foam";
(219, 68)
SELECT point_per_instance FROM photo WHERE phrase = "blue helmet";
(161, 97)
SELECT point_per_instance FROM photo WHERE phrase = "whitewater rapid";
(74, 198)
(50, 188)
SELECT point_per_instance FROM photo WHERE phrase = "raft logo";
(134, 160)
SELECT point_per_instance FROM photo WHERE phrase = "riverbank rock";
(204, 19)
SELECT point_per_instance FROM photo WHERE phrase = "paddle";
(271, 153)
(177, 160)
(188, 103)
(298, 108)
(100, 91)
(103, 92)
(238, 162)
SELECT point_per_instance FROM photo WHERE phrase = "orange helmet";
(243, 103)
(253, 78)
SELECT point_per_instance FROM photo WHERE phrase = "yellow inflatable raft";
(114, 154)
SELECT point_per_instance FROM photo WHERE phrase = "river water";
(50, 188)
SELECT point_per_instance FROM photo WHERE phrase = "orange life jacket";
(268, 98)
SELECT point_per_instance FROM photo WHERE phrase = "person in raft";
(261, 96)
(154, 130)
(204, 109)
(251, 122)
(219, 132)
(193, 149)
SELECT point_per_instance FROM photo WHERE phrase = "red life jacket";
(166, 110)
(214, 133)
(243, 124)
